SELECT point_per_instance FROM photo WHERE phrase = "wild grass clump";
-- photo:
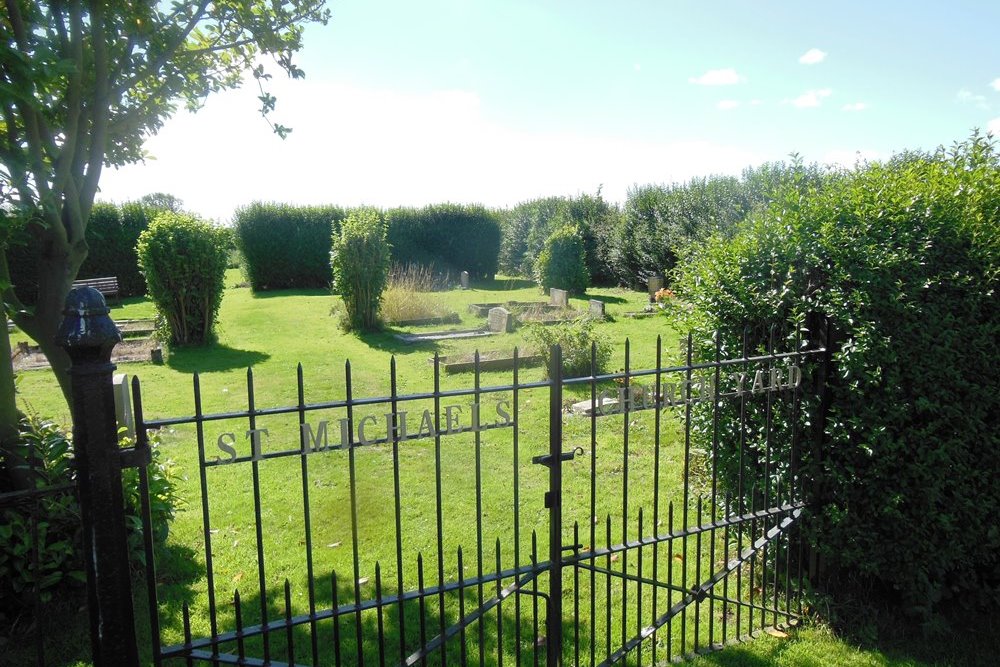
(408, 295)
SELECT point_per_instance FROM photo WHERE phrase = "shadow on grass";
(392, 633)
(296, 291)
(386, 341)
(606, 298)
(213, 358)
(501, 284)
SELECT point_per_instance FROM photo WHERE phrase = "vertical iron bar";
(35, 557)
(553, 616)
(638, 590)
(517, 520)
(397, 505)
(697, 576)
(607, 601)
(142, 442)
(725, 581)
(592, 518)
(687, 485)
(213, 621)
(499, 590)
(657, 400)
(310, 583)
(238, 607)
(258, 523)
(422, 607)
(481, 626)
(576, 599)
(335, 608)
(353, 480)
(438, 500)
(626, 409)
(463, 657)
(186, 625)
(715, 475)
(534, 596)
(379, 614)
(289, 630)
(670, 578)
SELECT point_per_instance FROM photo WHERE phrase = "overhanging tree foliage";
(82, 85)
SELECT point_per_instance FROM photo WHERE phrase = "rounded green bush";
(904, 259)
(184, 261)
(360, 260)
(563, 261)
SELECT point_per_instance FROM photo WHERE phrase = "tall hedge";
(904, 258)
(446, 236)
(112, 232)
(286, 246)
(184, 261)
(360, 261)
(528, 225)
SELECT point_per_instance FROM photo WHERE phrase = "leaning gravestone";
(464, 277)
(558, 297)
(501, 320)
(596, 308)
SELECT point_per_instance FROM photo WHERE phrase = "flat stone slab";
(443, 335)
(487, 362)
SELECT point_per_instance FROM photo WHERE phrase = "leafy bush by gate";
(286, 246)
(562, 262)
(905, 260)
(184, 260)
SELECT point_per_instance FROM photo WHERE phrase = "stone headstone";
(123, 403)
(156, 355)
(558, 297)
(596, 308)
(501, 320)
(464, 277)
(654, 284)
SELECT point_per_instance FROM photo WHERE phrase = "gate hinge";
(546, 459)
(135, 457)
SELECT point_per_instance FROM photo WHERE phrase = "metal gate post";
(88, 334)
(553, 499)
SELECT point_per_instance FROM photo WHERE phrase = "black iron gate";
(656, 518)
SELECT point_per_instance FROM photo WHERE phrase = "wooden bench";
(106, 286)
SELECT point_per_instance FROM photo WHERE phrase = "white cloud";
(968, 97)
(718, 77)
(637, 66)
(995, 85)
(855, 106)
(725, 105)
(850, 159)
(811, 98)
(354, 146)
(756, 103)
(994, 127)
(812, 56)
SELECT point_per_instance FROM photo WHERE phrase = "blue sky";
(409, 103)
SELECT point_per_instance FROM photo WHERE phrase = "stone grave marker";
(501, 320)
(654, 284)
(596, 308)
(464, 277)
(123, 403)
(558, 297)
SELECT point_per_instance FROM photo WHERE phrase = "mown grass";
(275, 332)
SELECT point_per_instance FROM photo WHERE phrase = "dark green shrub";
(112, 234)
(360, 260)
(59, 530)
(905, 260)
(582, 347)
(448, 237)
(526, 227)
(184, 261)
(286, 246)
(562, 262)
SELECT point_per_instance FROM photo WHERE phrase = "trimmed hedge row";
(904, 258)
(286, 246)
(446, 237)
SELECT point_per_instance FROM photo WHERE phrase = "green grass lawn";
(275, 332)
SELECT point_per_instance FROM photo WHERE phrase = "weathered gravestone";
(596, 308)
(654, 284)
(558, 297)
(500, 320)
(464, 277)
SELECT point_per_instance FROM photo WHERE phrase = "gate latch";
(547, 459)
